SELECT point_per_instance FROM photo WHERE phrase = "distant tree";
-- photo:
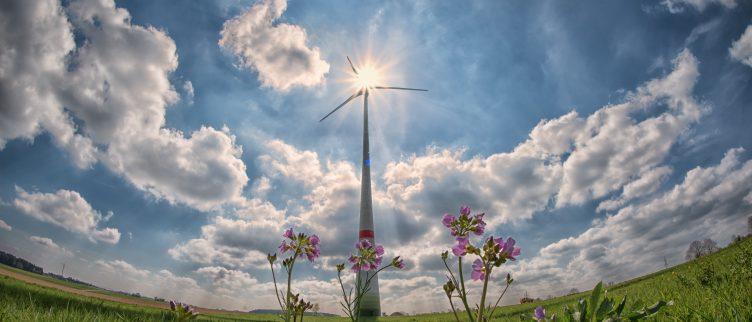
(709, 246)
(573, 291)
(749, 225)
(694, 250)
(698, 248)
(316, 308)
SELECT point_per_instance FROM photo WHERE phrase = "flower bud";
(445, 254)
(449, 288)
(340, 267)
(271, 258)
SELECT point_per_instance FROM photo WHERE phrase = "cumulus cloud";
(5, 226)
(66, 209)
(648, 183)
(35, 39)
(50, 246)
(565, 161)
(121, 275)
(709, 203)
(116, 83)
(741, 49)
(677, 6)
(277, 51)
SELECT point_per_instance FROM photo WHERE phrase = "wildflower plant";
(296, 246)
(182, 311)
(492, 253)
(598, 308)
(368, 257)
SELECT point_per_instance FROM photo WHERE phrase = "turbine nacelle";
(367, 78)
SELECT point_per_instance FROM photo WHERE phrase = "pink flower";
(448, 220)
(398, 263)
(508, 250)
(368, 256)
(313, 240)
(479, 271)
(461, 248)
(288, 233)
(463, 225)
(540, 314)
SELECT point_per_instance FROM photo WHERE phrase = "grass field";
(714, 288)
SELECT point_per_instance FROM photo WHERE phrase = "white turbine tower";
(371, 303)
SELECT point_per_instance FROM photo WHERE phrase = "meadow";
(716, 287)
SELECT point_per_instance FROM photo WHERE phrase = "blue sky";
(166, 145)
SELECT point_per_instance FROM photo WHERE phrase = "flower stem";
(485, 289)
(498, 300)
(453, 309)
(288, 309)
(276, 290)
(463, 293)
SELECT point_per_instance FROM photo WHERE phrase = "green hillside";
(717, 287)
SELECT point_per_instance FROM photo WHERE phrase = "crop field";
(716, 287)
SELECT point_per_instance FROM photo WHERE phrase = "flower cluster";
(368, 256)
(461, 226)
(491, 253)
(496, 251)
(300, 244)
(182, 312)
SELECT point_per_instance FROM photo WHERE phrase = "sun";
(367, 77)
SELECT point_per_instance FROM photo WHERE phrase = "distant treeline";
(19, 263)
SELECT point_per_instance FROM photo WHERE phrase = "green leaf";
(653, 309)
(595, 297)
(604, 309)
(583, 311)
(620, 307)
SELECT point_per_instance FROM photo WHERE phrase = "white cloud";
(569, 159)
(677, 6)
(50, 246)
(35, 39)
(648, 183)
(117, 84)
(741, 49)
(277, 51)
(66, 209)
(5, 226)
(189, 92)
(709, 203)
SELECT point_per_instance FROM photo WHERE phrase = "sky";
(162, 147)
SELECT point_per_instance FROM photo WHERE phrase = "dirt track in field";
(98, 295)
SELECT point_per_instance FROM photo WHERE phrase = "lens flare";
(367, 77)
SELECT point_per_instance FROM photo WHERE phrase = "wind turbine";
(371, 303)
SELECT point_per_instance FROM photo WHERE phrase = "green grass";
(714, 288)
(49, 278)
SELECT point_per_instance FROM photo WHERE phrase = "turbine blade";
(343, 104)
(351, 65)
(402, 88)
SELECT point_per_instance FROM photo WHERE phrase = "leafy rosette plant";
(492, 253)
(182, 311)
(367, 257)
(599, 308)
(295, 246)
